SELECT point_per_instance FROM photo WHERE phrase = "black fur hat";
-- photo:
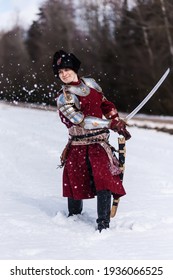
(61, 60)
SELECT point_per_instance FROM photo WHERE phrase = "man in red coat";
(90, 169)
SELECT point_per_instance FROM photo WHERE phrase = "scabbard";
(122, 155)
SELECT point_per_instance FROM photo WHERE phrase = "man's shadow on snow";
(49, 205)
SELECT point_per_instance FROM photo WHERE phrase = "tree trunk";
(146, 39)
(166, 22)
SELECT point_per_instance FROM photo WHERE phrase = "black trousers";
(103, 206)
(74, 206)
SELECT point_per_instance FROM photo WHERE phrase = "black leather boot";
(74, 206)
(103, 209)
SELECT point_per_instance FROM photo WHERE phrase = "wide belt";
(91, 137)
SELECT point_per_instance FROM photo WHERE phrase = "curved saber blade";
(136, 110)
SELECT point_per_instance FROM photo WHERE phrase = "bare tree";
(144, 27)
(167, 27)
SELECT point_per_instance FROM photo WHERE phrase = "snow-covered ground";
(33, 213)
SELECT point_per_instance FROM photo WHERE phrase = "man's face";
(67, 75)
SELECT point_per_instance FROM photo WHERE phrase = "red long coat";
(87, 168)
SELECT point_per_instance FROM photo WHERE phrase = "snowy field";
(33, 213)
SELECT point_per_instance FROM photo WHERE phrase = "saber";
(121, 141)
(136, 110)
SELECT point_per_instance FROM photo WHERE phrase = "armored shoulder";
(69, 105)
(90, 82)
(67, 99)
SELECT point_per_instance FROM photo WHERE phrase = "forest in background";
(125, 50)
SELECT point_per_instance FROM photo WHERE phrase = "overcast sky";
(23, 10)
(19, 11)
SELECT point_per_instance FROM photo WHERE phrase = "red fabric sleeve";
(107, 107)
